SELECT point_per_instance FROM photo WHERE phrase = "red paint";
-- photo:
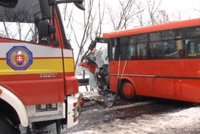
(166, 26)
(32, 89)
(147, 83)
(71, 85)
(90, 67)
(71, 82)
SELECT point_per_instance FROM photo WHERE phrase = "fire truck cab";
(38, 89)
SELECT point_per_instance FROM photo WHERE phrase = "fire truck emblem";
(19, 58)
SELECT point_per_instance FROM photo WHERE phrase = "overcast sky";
(187, 8)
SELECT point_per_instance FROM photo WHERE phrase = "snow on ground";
(149, 118)
(182, 122)
(172, 119)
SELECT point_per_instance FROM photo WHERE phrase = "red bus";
(158, 61)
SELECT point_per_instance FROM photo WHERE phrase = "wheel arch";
(127, 79)
(124, 80)
(12, 101)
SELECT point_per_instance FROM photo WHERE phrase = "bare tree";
(153, 7)
(141, 8)
(179, 16)
(101, 15)
(162, 16)
(87, 25)
(126, 13)
(91, 25)
(68, 17)
(5, 29)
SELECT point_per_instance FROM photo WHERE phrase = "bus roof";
(155, 28)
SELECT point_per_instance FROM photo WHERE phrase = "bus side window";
(142, 50)
(115, 49)
(132, 48)
(170, 49)
(190, 48)
(124, 46)
(112, 49)
(156, 50)
(192, 41)
(198, 48)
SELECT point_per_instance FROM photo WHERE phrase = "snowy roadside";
(182, 121)
(151, 118)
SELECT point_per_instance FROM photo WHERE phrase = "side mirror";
(45, 9)
(79, 5)
(43, 29)
(8, 3)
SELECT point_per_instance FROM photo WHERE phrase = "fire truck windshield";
(18, 19)
(8, 3)
(22, 11)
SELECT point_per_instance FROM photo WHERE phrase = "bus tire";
(5, 126)
(127, 90)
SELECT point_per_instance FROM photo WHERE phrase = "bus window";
(114, 49)
(192, 32)
(111, 49)
(124, 43)
(192, 41)
(142, 51)
(190, 46)
(155, 36)
(170, 49)
(141, 38)
(142, 46)
(168, 35)
(198, 48)
(132, 48)
(193, 47)
(137, 48)
(156, 50)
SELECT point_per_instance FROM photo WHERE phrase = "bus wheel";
(5, 126)
(127, 90)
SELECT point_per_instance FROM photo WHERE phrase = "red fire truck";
(38, 89)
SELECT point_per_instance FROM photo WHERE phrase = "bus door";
(114, 63)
